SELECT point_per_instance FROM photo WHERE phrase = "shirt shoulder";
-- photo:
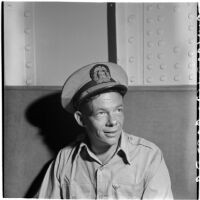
(144, 152)
(136, 141)
(68, 151)
(66, 156)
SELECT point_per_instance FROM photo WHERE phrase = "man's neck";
(105, 154)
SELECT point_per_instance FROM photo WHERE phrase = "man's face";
(103, 119)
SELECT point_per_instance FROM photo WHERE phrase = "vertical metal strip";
(2, 174)
(111, 23)
(2, 43)
(29, 43)
(142, 78)
(197, 102)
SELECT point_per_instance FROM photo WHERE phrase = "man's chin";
(112, 139)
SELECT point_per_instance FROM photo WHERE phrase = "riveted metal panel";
(19, 43)
(29, 44)
(129, 28)
(14, 58)
(157, 42)
(170, 53)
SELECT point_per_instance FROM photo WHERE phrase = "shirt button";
(101, 168)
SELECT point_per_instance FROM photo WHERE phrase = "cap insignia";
(100, 74)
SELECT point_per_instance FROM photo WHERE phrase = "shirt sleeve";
(158, 182)
(50, 187)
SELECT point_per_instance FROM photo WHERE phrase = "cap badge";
(100, 74)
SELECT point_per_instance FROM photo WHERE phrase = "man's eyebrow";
(121, 105)
(99, 109)
(104, 109)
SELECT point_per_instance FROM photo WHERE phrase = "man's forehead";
(110, 95)
(107, 99)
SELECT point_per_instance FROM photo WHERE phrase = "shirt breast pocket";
(127, 191)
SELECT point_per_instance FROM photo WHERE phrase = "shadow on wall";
(57, 127)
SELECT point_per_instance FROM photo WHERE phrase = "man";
(106, 162)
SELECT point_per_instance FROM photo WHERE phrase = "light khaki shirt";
(136, 171)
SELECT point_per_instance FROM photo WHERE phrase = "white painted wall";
(46, 41)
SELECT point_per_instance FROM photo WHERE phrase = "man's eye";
(120, 110)
(101, 113)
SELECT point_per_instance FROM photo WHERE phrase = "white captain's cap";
(90, 80)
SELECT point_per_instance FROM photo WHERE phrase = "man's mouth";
(111, 133)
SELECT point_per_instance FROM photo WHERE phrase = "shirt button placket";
(100, 183)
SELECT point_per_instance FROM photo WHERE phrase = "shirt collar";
(122, 147)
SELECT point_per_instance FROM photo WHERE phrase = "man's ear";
(79, 118)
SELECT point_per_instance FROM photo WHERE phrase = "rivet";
(163, 78)
(160, 31)
(28, 65)
(176, 9)
(9, 5)
(149, 20)
(131, 59)
(149, 79)
(27, 14)
(161, 55)
(160, 18)
(191, 76)
(27, 31)
(161, 43)
(28, 82)
(190, 16)
(176, 49)
(191, 41)
(150, 66)
(160, 6)
(190, 27)
(131, 18)
(163, 66)
(149, 32)
(190, 53)
(176, 77)
(177, 66)
(131, 39)
(149, 56)
(149, 44)
(132, 79)
(149, 7)
(190, 65)
(28, 47)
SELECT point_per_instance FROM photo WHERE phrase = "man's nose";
(111, 120)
